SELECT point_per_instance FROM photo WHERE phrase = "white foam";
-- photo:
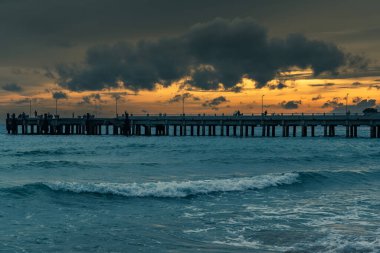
(177, 189)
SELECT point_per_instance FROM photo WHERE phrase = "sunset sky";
(222, 56)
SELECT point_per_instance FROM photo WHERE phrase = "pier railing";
(196, 124)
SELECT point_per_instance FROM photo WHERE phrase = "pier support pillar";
(304, 131)
(228, 130)
(221, 130)
(273, 131)
(373, 132)
(378, 132)
(312, 131)
(253, 131)
(294, 131)
(234, 130)
(192, 130)
(241, 131)
(263, 130)
(268, 131)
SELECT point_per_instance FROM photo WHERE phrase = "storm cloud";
(179, 98)
(13, 87)
(214, 103)
(290, 105)
(333, 103)
(208, 56)
(59, 95)
(357, 107)
(90, 99)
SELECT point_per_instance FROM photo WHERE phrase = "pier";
(290, 125)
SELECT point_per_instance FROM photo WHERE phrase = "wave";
(177, 189)
(180, 189)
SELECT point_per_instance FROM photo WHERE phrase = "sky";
(298, 56)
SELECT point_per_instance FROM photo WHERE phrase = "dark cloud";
(358, 107)
(220, 52)
(278, 86)
(26, 101)
(356, 84)
(13, 87)
(179, 97)
(90, 99)
(318, 97)
(290, 105)
(357, 99)
(59, 95)
(333, 103)
(236, 89)
(376, 86)
(322, 85)
(214, 103)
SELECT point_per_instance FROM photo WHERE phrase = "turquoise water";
(187, 194)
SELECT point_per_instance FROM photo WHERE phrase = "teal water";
(187, 194)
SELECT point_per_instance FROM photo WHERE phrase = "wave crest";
(177, 189)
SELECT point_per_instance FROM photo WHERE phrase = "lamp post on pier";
(262, 104)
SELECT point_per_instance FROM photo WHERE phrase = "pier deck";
(196, 125)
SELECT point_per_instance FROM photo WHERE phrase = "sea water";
(188, 194)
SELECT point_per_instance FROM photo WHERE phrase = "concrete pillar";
(175, 130)
(192, 130)
(373, 132)
(287, 131)
(304, 131)
(378, 132)
(221, 130)
(234, 130)
(351, 131)
(294, 131)
(355, 131)
(246, 131)
(241, 132)
(312, 131)
(347, 131)
(283, 131)
(203, 130)
(253, 131)
(263, 130)
(268, 131)
(273, 131)
(325, 130)
(198, 130)
(228, 130)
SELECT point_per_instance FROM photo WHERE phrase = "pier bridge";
(197, 125)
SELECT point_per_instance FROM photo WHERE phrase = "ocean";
(189, 194)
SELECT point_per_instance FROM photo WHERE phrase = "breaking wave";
(177, 189)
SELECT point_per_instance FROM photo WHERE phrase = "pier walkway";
(197, 125)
